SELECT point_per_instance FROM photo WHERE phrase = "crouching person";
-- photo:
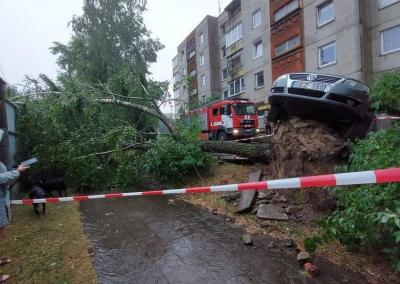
(6, 177)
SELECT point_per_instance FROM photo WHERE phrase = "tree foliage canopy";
(110, 37)
(76, 125)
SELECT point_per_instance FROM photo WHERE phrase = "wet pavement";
(152, 240)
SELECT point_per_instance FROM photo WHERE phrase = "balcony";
(233, 9)
(234, 63)
(234, 48)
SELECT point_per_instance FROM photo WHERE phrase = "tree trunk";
(255, 151)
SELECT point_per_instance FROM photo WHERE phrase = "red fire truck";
(228, 120)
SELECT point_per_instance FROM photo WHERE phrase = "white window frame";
(234, 35)
(333, 43)
(287, 48)
(222, 74)
(203, 80)
(192, 53)
(256, 13)
(286, 10)
(201, 39)
(382, 6)
(255, 46)
(202, 59)
(256, 81)
(241, 87)
(382, 43)
(325, 4)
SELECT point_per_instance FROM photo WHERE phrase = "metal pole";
(3, 124)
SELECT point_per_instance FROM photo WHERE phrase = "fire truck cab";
(229, 120)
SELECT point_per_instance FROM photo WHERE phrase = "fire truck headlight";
(258, 130)
(235, 131)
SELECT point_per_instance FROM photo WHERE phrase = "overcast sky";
(29, 27)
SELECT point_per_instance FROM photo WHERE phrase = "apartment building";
(245, 58)
(181, 95)
(253, 42)
(287, 37)
(354, 38)
(232, 56)
(196, 67)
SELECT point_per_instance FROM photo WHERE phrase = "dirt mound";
(306, 147)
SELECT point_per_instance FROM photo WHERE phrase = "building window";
(175, 61)
(234, 35)
(225, 94)
(201, 38)
(390, 40)
(192, 53)
(325, 13)
(202, 59)
(286, 10)
(223, 52)
(236, 86)
(259, 80)
(234, 63)
(221, 31)
(287, 45)
(327, 54)
(258, 49)
(182, 55)
(257, 19)
(224, 74)
(203, 80)
(386, 3)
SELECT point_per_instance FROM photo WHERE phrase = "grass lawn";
(50, 249)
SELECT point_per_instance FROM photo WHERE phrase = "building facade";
(253, 42)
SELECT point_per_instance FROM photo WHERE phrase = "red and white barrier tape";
(355, 178)
(387, 118)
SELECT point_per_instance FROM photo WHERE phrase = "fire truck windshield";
(244, 109)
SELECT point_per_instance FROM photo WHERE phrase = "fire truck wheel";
(222, 136)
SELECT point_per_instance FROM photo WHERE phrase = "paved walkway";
(151, 240)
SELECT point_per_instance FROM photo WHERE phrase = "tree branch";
(154, 112)
(139, 146)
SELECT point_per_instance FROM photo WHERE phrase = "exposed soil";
(305, 147)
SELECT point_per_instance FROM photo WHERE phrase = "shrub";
(368, 216)
(171, 159)
(385, 92)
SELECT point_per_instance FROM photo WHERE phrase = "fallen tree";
(254, 151)
(262, 152)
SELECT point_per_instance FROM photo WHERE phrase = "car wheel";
(274, 114)
(359, 130)
(222, 136)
